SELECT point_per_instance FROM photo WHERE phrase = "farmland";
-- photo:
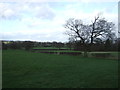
(23, 69)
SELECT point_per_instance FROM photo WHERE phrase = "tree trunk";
(85, 54)
(85, 50)
(91, 44)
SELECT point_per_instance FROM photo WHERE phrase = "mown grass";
(22, 69)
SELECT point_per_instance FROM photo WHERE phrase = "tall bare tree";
(102, 29)
(99, 28)
(78, 31)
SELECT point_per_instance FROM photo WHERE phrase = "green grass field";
(49, 48)
(22, 69)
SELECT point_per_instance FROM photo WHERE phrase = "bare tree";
(77, 30)
(102, 29)
(99, 28)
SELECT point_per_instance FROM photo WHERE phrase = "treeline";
(28, 45)
(107, 45)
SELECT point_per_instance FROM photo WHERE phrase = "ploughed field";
(23, 69)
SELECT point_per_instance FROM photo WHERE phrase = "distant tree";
(60, 45)
(28, 45)
(15, 45)
(108, 45)
(117, 44)
(4, 46)
(12, 45)
(54, 44)
(78, 46)
(71, 43)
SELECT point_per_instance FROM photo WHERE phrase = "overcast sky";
(43, 21)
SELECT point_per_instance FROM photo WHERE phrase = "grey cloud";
(19, 10)
(43, 11)
(45, 14)
(9, 11)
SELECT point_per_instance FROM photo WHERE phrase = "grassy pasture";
(22, 69)
(49, 48)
